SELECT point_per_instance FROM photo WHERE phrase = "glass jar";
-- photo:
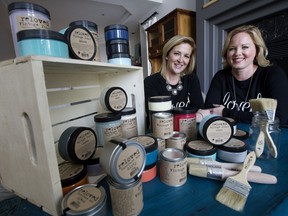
(259, 119)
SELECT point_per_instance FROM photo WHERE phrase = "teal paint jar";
(200, 149)
(42, 42)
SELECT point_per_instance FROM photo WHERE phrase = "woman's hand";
(201, 113)
(217, 109)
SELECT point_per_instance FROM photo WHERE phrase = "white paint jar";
(113, 99)
(178, 140)
(129, 122)
(162, 124)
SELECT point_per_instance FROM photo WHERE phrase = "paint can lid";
(28, 6)
(40, 34)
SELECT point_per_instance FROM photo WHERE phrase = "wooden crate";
(42, 96)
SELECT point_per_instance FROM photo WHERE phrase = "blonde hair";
(175, 41)
(256, 36)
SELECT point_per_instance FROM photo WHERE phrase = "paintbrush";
(236, 188)
(213, 163)
(220, 173)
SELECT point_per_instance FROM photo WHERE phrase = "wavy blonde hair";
(255, 34)
(175, 41)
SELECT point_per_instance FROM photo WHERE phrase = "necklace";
(174, 91)
(247, 91)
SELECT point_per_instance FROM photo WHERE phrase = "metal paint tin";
(126, 199)
(173, 167)
(200, 149)
(123, 160)
(216, 129)
(77, 144)
(85, 200)
(162, 124)
(129, 122)
(114, 99)
(178, 140)
(72, 175)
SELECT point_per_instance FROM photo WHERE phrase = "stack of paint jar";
(117, 44)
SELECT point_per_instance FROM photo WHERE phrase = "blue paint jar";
(42, 42)
(116, 31)
(200, 149)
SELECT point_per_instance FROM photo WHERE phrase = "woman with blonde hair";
(247, 74)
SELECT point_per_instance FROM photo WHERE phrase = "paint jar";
(123, 160)
(108, 126)
(85, 200)
(72, 175)
(158, 104)
(149, 172)
(120, 59)
(177, 140)
(25, 15)
(259, 119)
(234, 151)
(42, 42)
(93, 28)
(151, 147)
(216, 129)
(173, 167)
(233, 123)
(126, 199)
(77, 144)
(185, 121)
(161, 145)
(200, 149)
(93, 165)
(116, 31)
(241, 134)
(81, 43)
(113, 99)
(162, 124)
(129, 122)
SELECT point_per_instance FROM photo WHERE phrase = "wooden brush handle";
(248, 163)
(259, 147)
(270, 143)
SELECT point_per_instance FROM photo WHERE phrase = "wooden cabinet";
(40, 98)
(179, 21)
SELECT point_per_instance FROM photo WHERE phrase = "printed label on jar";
(173, 173)
(112, 132)
(176, 143)
(85, 144)
(31, 22)
(117, 99)
(129, 127)
(67, 170)
(162, 127)
(189, 127)
(219, 132)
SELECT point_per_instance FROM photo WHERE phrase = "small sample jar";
(81, 43)
(151, 148)
(173, 167)
(77, 144)
(123, 160)
(88, 199)
(200, 149)
(42, 42)
(108, 126)
(149, 172)
(185, 121)
(93, 28)
(129, 122)
(72, 175)
(234, 151)
(216, 129)
(162, 124)
(114, 99)
(177, 140)
(93, 165)
(234, 124)
(126, 199)
(25, 15)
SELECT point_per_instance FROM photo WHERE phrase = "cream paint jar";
(77, 144)
(173, 167)
(85, 200)
(162, 124)
(178, 140)
(200, 149)
(216, 129)
(234, 151)
(113, 99)
(129, 122)
(126, 199)
(123, 160)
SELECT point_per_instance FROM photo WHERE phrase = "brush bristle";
(267, 105)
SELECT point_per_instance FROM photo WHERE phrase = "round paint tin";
(149, 172)
(216, 129)
(108, 126)
(72, 175)
(77, 144)
(162, 124)
(85, 200)
(114, 99)
(25, 15)
(200, 149)
(151, 147)
(234, 151)
(42, 42)
(177, 140)
(129, 122)
(173, 167)
(185, 121)
(116, 31)
(123, 160)
(81, 43)
(126, 199)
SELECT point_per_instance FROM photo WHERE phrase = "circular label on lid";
(200, 145)
(117, 99)
(219, 132)
(85, 144)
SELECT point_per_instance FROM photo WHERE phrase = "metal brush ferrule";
(214, 173)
